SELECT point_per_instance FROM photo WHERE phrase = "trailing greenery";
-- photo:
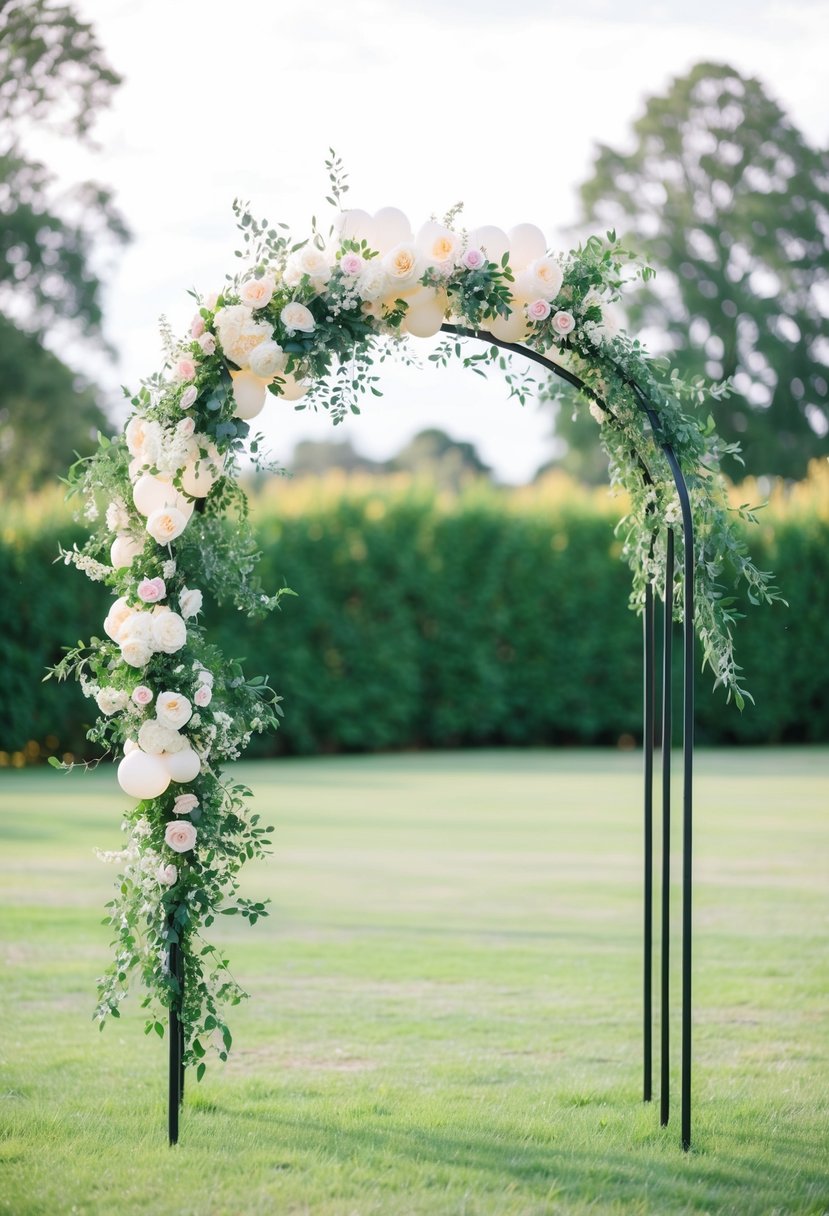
(427, 620)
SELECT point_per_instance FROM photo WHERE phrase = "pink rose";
(186, 427)
(142, 695)
(208, 343)
(151, 590)
(212, 300)
(539, 310)
(197, 326)
(184, 804)
(563, 323)
(184, 368)
(188, 397)
(167, 875)
(474, 259)
(203, 696)
(351, 263)
(180, 836)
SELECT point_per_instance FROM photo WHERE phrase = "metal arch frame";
(176, 960)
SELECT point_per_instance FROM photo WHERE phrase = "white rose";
(542, 280)
(311, 261)
(166, 524)
(267, 359)
(297, 318)
(180, 835)
(373, 283)
(169, 632)
(204, 676)
(155, 737)
(116, 618)
(439, 246)
(116, 516)
(239, 334)
(136, 652)
(145, 439)
(402, 265)
(167, 875)
(173, 709)
(138, 626)
(110, 700)
(190, 601)
(256, 293)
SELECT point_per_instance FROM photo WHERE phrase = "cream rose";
(169, 632)
(267, 359)
(180, 836)
(166, 524)
(373, 283)
(144, 439)
(135, 651)
(256, 293)
(173, 709)
(117, 617)
(542, 279)
(297, 318)
(239, 334)
(116, 516)
(402, 265)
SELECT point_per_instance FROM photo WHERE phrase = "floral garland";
(312, 318)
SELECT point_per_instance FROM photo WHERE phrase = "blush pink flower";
(563, 323)
(151, 590)
(142, 695)
(208, 343)
(351, 263)
(184, 368)
(474, 259)
(538, 310)
(188, 397)
(184, 804)
(203, 696)
(186, 427)
(180, 836)
(197, 326)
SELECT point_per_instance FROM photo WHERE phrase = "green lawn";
(446, 999)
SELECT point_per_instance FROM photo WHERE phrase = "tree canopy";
(726, 197)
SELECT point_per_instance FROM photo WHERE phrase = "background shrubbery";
(431, 621)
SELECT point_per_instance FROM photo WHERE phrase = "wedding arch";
(312, 318)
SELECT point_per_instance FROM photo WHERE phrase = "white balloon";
(527, 242)
(494, 241)
(143, 776)
(198, 476)
(151, 493)
(123, 550)
(390, 227)
(354, 225)
(182, 766)
(426, 312)
(129, 746)
(292, 389)
(512, 328)
(249, 392)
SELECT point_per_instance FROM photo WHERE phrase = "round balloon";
(390, 227)
(494, 242)
(249, 392)
(527, 242)
(143, 776)
(123, 549)
(182, 766)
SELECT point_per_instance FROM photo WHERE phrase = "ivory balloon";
(423, 320)
(494, 241)
(390, 227)
(512, 328)
(354, 225)
(198, 476)
(123, 550)
(143, 776)
(182, 766)
(151, 493)
(292, 389)
(527, 242)
(249, 392)
(129, 746)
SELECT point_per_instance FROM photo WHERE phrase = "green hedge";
(492, 618)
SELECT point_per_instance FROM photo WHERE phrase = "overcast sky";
(496, 104)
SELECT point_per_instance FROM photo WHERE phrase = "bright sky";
(499, 105)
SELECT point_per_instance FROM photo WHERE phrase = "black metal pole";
(667, 732)
(648, 698)
(174, 1099)
(687, 815)
(180, 977)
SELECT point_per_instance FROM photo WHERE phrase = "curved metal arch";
(687, 740)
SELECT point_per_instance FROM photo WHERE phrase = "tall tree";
(731, 204)
(53, 74)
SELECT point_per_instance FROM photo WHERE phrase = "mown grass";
(446, 999)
